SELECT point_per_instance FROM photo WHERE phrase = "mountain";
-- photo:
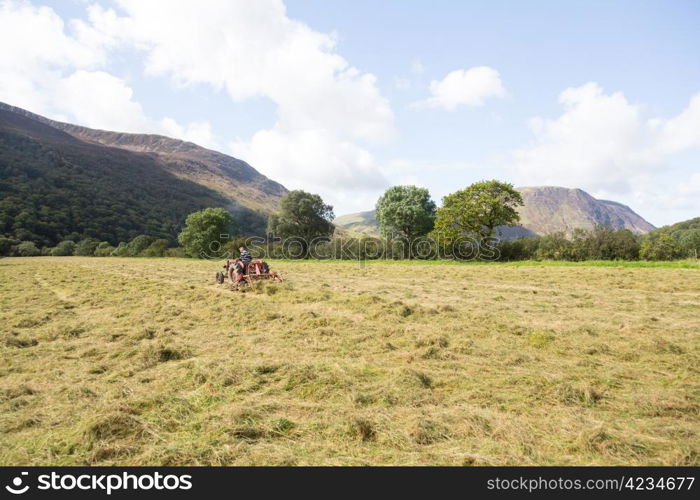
(359, 223)
(546, 209)
(60, 180)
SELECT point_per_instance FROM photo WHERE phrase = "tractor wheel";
(219, 277)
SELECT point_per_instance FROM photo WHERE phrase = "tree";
(477, 210)
(66, 247)
(156, 249)
(104, 249)
(302, 215)
(554, 246)
(6, 245)
(27, 249)
(86, 247)
(689, 241)
(122, 250)
(406, 211)
(625, 245)
(139, 244)
(663, 247)
(205, 231)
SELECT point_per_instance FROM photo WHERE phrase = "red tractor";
(239, 274)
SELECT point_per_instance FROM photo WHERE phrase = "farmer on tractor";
(245, 255)
(238, 267)
(245, 270)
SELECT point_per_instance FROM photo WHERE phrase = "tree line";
(465, 226)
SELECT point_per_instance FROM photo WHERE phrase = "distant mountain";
(59, 180)
(359, 223)
(546, 209)
(233, 178)
(549, 209)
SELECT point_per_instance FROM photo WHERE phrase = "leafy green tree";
(554, 246)
(663, 247)
(139, 244)
(302, 215)
(6, 245)
(406, 211)
(205, 231)
(689, 241)
(520, 249)
(156, 249)
(605, 243)
(66, 247)
(27, 249)
(86, 247)
(122, 250)
(477, 210)
(104, 249)
(625, 245)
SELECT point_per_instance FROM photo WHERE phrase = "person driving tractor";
(245, 255)
(245, 269)
(238, 267)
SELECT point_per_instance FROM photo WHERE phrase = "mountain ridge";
(230, 176)
(61, 181)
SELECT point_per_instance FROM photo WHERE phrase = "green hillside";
(364, 223)
(686, 235)
(54, 185)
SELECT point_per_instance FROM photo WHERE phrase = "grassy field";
(148, 361)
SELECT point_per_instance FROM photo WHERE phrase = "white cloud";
(35, 49)
(691, 187)
(602, 143)
(312, 159)
(681, 132)
(252, 49)
(470, 87)
(54, 70)
(99, 100)
(199, 132)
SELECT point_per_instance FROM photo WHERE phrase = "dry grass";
(136, 361)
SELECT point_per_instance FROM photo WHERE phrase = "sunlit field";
(149, 361)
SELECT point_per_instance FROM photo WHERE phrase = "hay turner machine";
(241, 275)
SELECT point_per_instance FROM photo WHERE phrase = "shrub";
(6, 245)
(554, 246)
(27, 249)
(663, 247)
(121, 250)
(689, 241)
(104, 249)
(139, 244)
(156, 249)
(86, 247)
(66, 247)
(135, 247)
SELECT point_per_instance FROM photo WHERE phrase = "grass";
(148, 361)
(674, 264)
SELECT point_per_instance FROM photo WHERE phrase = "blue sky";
(345, 98)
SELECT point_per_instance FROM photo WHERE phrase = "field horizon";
(143, 361)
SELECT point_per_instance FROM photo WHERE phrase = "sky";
(346, 98)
